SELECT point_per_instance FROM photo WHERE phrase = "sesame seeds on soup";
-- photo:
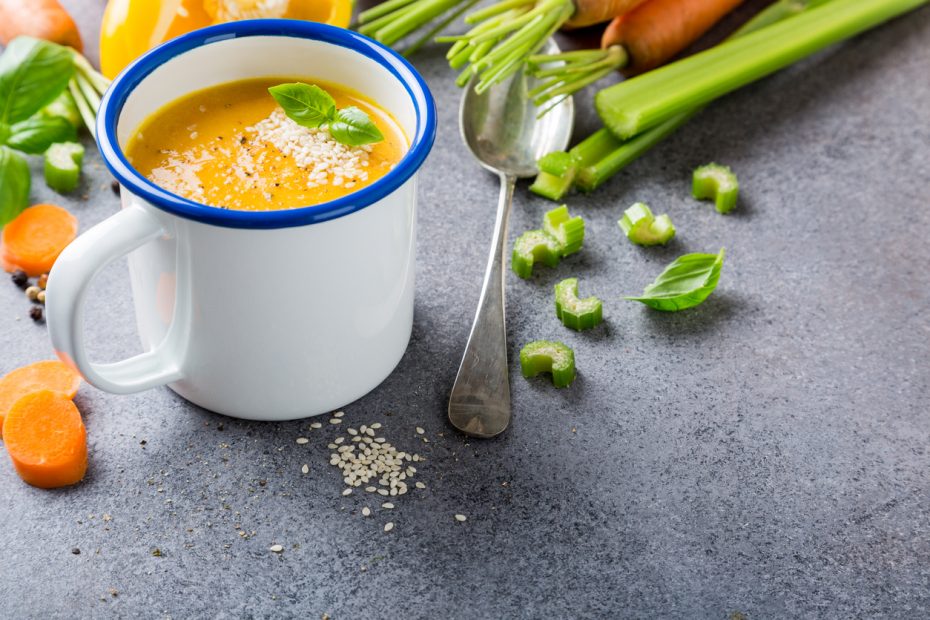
(231, 146)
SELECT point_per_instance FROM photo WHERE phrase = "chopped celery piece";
(533, 246)
(63, 107)
(552, 186)
(567, 230)
(717, 183)
(557, 162)
(556, 175)
(579, 314)
(547, 356)
(643, 228)
(63, 166)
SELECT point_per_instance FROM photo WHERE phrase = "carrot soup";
(234, 146)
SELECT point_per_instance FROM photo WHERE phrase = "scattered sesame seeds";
(388, 526)
(347, 492)
(276, 548)
(305, 469)
(420, 485)
(382, 491)
(387, 505)
(366, 511)
(376, 425)
(335, 421)
(371, 489)
(302, 440)
(420, 431)
(461, 518)
(316, 425)
(339, 414)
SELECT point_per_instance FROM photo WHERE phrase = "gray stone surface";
(765, 453)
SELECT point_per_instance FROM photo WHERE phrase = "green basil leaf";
(684, 284)
(32, 74)
(353, 127)
(35, 134)
(15, 183)
(305, 104)
(4, 133)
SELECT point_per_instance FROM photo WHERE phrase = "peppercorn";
(20, 278)
(35, 313)
(32, 293)
(115, 187)
(42, 282)
(40, 297)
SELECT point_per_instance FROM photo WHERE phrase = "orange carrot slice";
(33, 241)
(47, 375)
(46, 440)
(656, 30)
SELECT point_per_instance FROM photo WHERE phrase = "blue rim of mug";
(115, 98)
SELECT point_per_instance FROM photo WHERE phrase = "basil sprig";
(312, 107)
(685, 283)
(33, 73)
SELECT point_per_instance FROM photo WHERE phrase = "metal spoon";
(501, 130)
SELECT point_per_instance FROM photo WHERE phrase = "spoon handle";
(480, 401)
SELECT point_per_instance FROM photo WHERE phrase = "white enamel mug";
(207, 283)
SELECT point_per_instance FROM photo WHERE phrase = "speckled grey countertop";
(764, 455)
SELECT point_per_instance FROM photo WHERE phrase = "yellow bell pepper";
(132, 27)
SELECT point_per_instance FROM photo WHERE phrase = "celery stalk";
(632, 106)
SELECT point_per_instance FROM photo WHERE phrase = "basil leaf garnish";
(15, 183)
(32, 74)
(353, 127)
(684, 284)
(35, 134)
(305, 104)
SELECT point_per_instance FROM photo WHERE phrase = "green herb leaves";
(37, 133)
(32, 74)
(353, 127)
(305, 104)
(15, 183)
(312, 107)
(685, 283)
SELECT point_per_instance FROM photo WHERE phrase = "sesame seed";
(339, 414)
(376, 425)
(387, 505)
(352, 431)
(347, 492)
(339, 439)
(366, 511)
(371, 489)
(382, 491)
(461, 518)
(332, 446)
(302, 440)
(316, 425)
(335, 421)
(420, 485)
(420, 431)
(276, 548)
(388, 526)
(305, 469)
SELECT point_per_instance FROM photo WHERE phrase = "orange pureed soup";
(232, 146)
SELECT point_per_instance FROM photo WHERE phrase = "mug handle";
(68, 284)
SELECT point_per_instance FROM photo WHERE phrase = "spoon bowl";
(504, 131)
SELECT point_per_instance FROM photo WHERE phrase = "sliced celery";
(556, 175)
(567, 230)
(643, 228)
(717, 183)
(531, 247)
(547, 356)
(63, 166)
(579, 314)
(647, 100)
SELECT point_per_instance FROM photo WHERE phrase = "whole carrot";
(642, 39)
(590, 12)
(656, 30)
(43, 19)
